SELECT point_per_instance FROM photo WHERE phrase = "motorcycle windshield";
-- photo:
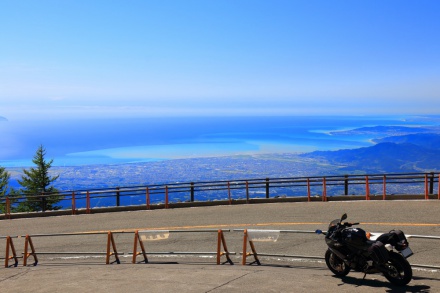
(333, 223)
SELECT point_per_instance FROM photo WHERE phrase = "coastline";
(101, 141)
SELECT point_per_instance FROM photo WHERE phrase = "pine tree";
(4, 180)
(36, 183)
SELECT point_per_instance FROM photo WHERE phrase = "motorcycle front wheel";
(336, 265)
(399, 270)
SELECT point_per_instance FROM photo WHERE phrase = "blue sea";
(73, 142)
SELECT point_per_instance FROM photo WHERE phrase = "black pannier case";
(396, 238)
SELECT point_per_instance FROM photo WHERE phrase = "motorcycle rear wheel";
(336, 265)
(399, 270)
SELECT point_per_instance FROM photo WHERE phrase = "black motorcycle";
(350, 248)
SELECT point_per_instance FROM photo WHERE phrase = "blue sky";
(225, 57)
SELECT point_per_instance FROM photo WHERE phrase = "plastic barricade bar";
(251, 236)
(141, 236)
(29, 248)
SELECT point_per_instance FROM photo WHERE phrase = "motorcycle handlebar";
(346, 224)
(320, 232)
(350, 224)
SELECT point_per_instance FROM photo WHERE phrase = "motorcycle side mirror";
(318, 231)
(344, 216)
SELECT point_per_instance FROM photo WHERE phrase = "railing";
(370, 186)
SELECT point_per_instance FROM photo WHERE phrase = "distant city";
(186, 170)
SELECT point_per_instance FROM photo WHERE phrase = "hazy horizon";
(71, 70)
(76, 59)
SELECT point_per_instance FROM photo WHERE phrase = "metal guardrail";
(379, 186)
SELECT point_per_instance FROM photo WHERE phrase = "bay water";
(73, 142)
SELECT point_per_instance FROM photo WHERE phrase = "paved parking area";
(183, 273)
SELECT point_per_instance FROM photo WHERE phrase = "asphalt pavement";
(184, 259)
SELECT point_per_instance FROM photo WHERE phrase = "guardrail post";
(73, 203)
(192, 192)
(426, 187)
(367, 189)
(166, 196)
(438, 186)
(431, 183)
(147, 194)
(43, 202)
(346, 185)
(324, 189)
(384, 187)
(118, 197)
(8, 208)
(267, 187)
(88, 202)
(229, 192)
(247, 191)
(308, 189)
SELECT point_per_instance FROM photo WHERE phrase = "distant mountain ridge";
(384, 130)
(427, 140)
(407, 153)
